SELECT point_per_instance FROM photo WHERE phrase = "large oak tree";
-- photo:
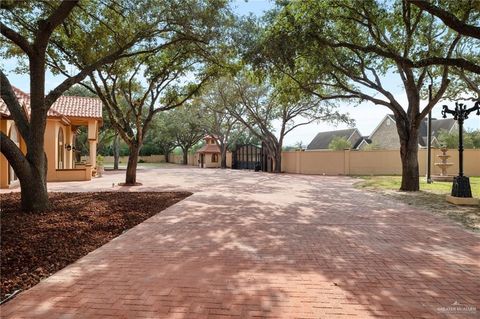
(56, 34)
(188, 127)
(131, 105)
(342, 49)
(270, 112)
(217, 121)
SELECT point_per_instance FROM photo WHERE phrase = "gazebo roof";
(209, 148)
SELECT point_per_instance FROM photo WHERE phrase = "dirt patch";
(468, 216)
(34, 246)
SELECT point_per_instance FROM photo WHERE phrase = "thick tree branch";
(17, 39)
(16, 110)
(14, 156)
(448, 18)
(67, 83)
(46, 27)
(455, 62)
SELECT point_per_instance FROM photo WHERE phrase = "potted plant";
(100, 165)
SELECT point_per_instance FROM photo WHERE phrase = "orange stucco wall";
(79, 174)
(54, 172)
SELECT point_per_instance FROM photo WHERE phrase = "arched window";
(60, 149)
(13, 135)
(214, 158)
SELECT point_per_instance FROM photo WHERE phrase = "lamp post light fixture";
(461, 183)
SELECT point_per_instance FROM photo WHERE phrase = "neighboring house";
(323, 139)
(449, 125)
(209, 155)
(385, 135)
(65, 116)
(363, 142)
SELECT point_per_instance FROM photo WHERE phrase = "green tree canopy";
(471, 139)
(346, 49)
(339, 143)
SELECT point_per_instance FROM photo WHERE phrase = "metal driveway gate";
(249, 156)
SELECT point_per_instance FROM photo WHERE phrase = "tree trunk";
(116, 151)
(223, 161)
(185, 156)
(34, 193)
(131, 177)
(409, 157)
(166, 157)
(32, 176)
(34, 186)
(278, 162)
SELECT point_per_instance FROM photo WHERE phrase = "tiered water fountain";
(443, 177)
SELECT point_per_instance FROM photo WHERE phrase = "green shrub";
(100, 160)
(339, 143)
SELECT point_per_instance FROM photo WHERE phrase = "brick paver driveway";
(251, 245)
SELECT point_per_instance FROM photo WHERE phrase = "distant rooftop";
(323, 139)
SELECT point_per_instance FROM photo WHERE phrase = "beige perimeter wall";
(378, 162)
(193, 159)
(146, 159)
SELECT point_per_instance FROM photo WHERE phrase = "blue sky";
(366, 115)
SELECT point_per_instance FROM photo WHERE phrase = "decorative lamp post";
(429, 133)
(461, 183)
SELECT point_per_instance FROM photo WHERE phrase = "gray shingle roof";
(437, 126)
(323, 139)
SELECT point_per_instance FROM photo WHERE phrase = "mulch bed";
(34, 246)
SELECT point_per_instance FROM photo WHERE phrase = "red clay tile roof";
(68, 106)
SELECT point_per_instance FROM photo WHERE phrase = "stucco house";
(209, 155)
(385, 135)
(64, 118)
(323, 139)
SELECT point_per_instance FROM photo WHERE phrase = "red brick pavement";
(255, 245)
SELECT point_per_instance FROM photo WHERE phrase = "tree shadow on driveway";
(271, 246)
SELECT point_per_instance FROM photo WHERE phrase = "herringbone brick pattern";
(255, 245)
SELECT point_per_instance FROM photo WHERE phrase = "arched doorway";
(60, 150)
(13, 135)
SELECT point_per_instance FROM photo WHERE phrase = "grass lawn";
(393, 183)
(430, 198)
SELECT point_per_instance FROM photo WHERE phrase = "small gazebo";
(209, 155)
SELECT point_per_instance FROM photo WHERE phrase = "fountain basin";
(443, 178)
(443, 164)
